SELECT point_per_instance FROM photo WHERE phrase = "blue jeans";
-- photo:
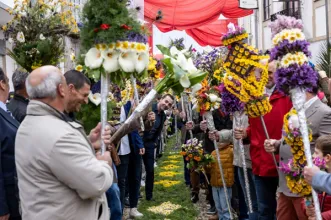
(266, 188)
(114, 202)
(243, 210)
(220, 202)
(252, 190)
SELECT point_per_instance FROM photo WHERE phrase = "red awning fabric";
(188, 14)
(210, 34)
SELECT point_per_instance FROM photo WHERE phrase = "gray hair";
(46, 89)
(19, 78)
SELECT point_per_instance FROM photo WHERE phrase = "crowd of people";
(46, 155)
(51, 169)
(270, 197)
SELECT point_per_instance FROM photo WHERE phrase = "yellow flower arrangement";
(126, 94)
(229, 41)
(167, 183)
(170, 167)
(174, 157)
(171, 161)
(258, 107)
(168, 174)
(293, 138)
(165, 208)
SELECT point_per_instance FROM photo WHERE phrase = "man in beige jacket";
(59, 175)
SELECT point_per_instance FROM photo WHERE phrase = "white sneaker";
(142, 183)
(155, 165)
(135, 214)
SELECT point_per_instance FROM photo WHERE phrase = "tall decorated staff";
(295, 76)
(244, 84)
(37, 30)
(115, 45)
(180, 73)
(208, 99)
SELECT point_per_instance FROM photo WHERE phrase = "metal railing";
(293, 12)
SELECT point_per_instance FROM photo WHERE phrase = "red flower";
(96, 30)
(105, 26)
(203, 95)
(124, 26)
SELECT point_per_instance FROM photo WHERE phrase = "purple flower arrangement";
(297, 74)
(289, 168)
(238, 31)
(178, 43)
(207, 61)
(230, 103)
(284, 47)
(284, 22)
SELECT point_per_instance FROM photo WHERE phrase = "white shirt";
(3, 106)
(125, 144)
(310, 102)
(269, 91)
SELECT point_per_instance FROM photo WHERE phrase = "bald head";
(272, 66)
(44, 82)
(271, 70)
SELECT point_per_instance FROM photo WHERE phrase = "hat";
(225, 136)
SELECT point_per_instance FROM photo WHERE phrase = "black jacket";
(9, 200)
(17, 106)
(221, 122)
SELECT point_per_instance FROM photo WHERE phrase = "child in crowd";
(322, 151)
(226, 156)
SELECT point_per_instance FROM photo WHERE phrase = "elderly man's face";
(271, 72)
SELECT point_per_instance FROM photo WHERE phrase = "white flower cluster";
(298, 58)
(128, 56)
(290, 35)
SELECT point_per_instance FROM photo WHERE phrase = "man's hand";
(310, 211)
(271, 145)
(151, 116)
(309, 172)
(239, 133)
(182, 115)
(189, 125)
(213, 135)
(203, 125)
(105, 157)
(95, 135)
(4, 217)
(142, 151)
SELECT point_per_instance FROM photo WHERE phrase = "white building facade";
(312, 13)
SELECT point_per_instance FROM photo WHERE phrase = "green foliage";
(37, 32)
(324, 58)
(176, 194)
(110, 12)
(89, 115)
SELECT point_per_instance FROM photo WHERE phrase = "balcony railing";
(293, 12)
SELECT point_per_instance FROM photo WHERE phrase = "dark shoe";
(150, 199)
(126, 202)
(195, 198)
(211, 211)
(140, 196)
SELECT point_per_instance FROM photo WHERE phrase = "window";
(267, 9)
